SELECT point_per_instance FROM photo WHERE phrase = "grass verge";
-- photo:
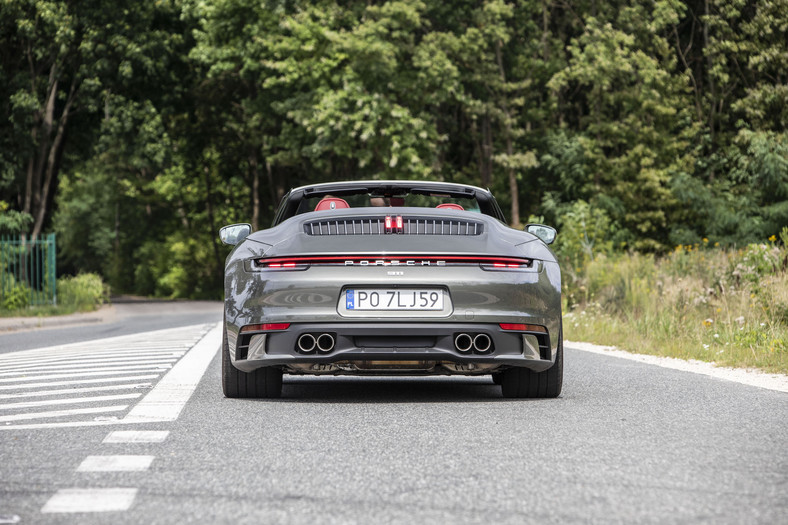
(729, 307)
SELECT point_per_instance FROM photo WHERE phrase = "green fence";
(27, 271)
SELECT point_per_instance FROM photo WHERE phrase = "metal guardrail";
(27, 271)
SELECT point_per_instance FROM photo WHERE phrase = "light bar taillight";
(282, 264)
(518, 327)
(267, 327)
(485, 262)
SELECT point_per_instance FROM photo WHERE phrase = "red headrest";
(450, 206)
(331, 203)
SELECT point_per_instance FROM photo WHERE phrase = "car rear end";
(415, 292)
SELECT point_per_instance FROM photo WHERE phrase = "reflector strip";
(268, 327)
(515, 327)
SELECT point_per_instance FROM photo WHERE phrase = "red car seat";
(331, 203)
(450, 206)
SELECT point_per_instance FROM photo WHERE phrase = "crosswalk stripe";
(93, 380)
(78, 382)
(68, 401)
(132, 370)
(67, 391)
(62, 413)
(83, 362)
(89, 355)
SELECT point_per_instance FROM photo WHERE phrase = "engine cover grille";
(410, 226)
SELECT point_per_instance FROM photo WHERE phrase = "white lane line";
(115, 464)
(79, 382)
(748, 377)
(85, 374)
(170, 395)
(62, 413)
(67, 401)
(90, 500)
(137, 436)
(67, 391)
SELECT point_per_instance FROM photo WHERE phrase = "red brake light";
(388, 222)
(399, 222)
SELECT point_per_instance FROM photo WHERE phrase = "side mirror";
(234, 233)
(546, 233)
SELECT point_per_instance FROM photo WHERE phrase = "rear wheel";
(521, 382)
(262, 383)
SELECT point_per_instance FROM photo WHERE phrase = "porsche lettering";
(381, 262)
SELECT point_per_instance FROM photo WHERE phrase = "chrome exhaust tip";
(482, 342)
(307, 343)
(325, 343)
(463, 342)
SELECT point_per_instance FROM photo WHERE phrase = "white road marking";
(61, 413)
(90, 500)
(137, 436)
(136, 370)
(71, 401)
(170, 395)
(32, 379)
(115, 464)
(67, 391)
(65, 365)
(749, 377)
(78, 382)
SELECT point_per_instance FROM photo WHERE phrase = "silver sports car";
(391, 277)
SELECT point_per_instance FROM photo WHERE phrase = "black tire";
(524, 383)
(497, 378)
(262, 383)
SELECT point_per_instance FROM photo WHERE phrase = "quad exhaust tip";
(307, 343)
(463, 342)
(325, 343)
(482, 343)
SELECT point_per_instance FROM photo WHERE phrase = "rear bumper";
(392, 342)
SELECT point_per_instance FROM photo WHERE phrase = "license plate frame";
(361, 299)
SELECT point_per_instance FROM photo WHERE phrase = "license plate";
(399, 299)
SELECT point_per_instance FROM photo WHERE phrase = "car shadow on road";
(390, 390)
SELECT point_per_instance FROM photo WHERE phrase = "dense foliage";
(136, 129)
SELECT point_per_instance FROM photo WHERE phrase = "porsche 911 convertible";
(389, 278)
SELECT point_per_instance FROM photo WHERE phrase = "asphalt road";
(625, 443)
(118, 319)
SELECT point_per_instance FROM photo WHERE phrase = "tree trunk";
(41, 200)
(255, 190)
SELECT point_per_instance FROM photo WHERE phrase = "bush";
(16, 297)
(86, 291)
